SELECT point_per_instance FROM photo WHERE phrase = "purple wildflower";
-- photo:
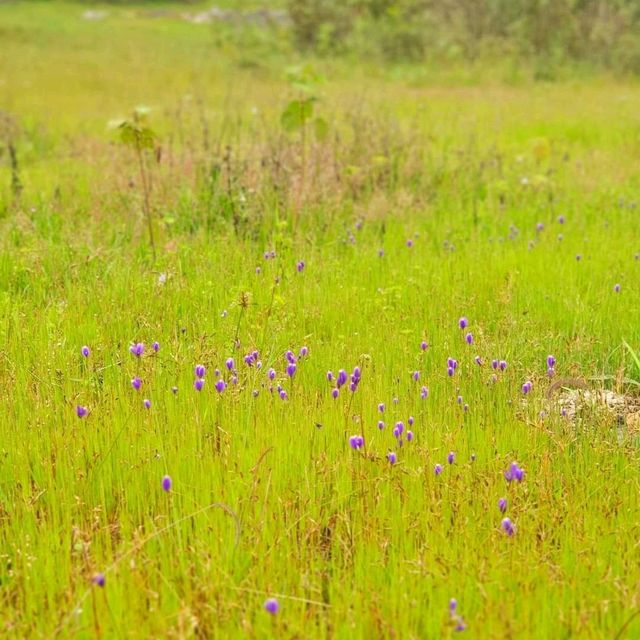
(527, 386)
(450, 371)
(502, 364)
(469, 338)
(411, 421)
(283, 394)
(272, 606)
(356, 442)
(85, 351)
(551, 362)
(147, 403)
(416, 376)
(136, 383)
(156, 346)
(424, 392)
(424, 345)
(342, 378)
(381, 407)
(220, 385)
(335, 392)
(617, 288)
(300, 266)
(463, 323)
(478, 360)
(271, 374)
(409, 436)
(198, 383)
(399, 428)
(514, 472)
(409, 243)
(508, 527)
(437, 469)
(494, 364)
(200, 371)
(291, 370)
(81, 411)
(451, 457)
(329, 376)
(502, 505)
(230, 364)
(392, 457)
(137, 349)
(99, 579)
(380, 425)
(304, 352)
(166, 483)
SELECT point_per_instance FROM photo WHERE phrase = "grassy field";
(436, 195)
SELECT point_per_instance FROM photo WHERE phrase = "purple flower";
(230, 364)
(502, 505)
(409, 436)
(460, 625)
(409, 243)
(85, 351)
(617, 288)
(283, 394)
(329, 376)
(424, 392)
(380, 425)
(527, 386)
(304, 352)
(410, 421)
(469, 338)
(459, 399)
(356, 374)
(220, 385)
(198, 383)
(437, 469)
(291, 370)
(450, 371)
(399, 428)
(356, 442)
(502, 364)
(392, 457)
(271, 374)
(200, 371)
(451, 457)
(272, 606)
(147, 403)
(335, 392)
(381, 407)
(453, 605)
(416, 376)
(494, 364)
(136, 383)
(463, 323)
(551, 362)
(342, 378)
(539, 227)
(514, 473)
(424, 345)
(99, 579)
(166, 483)
(300, 266)
(508, 527)
(478, 360)
(453, 363)
(561, 219)
(81, 411)
(156, 346)
(137, 349)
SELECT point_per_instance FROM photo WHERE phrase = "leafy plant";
(136, 134)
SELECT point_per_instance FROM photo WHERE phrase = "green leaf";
(296, 114)
(320, 128)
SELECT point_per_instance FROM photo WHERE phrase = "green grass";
(352, 546)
